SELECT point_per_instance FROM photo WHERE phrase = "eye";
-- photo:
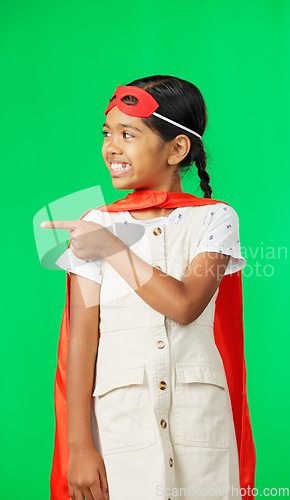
(125, 133)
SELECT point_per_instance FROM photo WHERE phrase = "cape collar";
(147, 198)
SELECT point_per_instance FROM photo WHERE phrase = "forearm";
(159, 290)
(79, 381)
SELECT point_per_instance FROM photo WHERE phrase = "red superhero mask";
(146, 103)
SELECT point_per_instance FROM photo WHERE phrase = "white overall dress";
(161, 413)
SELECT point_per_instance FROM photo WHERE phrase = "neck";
(176, 187)
(171, 184)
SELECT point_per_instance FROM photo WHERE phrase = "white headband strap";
(177, 124)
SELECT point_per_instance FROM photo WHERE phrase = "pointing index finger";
(60, 224)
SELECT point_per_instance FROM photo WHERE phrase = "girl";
(152, 328)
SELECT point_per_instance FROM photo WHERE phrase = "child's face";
(143, 149)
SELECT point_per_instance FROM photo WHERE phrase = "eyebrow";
(123, 125)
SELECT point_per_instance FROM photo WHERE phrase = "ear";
(180, 148)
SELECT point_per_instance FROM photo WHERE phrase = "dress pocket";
(200, 415)
(124, 411)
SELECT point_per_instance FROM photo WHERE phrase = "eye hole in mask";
(130, 100)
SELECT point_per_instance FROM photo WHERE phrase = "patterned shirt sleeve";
(222, 235)
(91, 268)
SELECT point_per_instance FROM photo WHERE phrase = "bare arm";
(82, 351)
(86, 470)
(181, 300)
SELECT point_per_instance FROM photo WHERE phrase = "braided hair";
(201, 161)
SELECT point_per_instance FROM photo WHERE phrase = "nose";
(113, 145)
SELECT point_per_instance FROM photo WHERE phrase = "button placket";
(160, 351)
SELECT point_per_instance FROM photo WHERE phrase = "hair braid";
(201, 161)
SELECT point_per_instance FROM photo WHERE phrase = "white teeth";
(120, 166)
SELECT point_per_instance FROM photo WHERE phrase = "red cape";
(229, 338)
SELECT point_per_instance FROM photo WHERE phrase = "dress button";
(162, 385)
(171, 462)
(163, 424)
(160, 344)
(158, 267)
(157, 231)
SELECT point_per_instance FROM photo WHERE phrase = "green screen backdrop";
(61, 62)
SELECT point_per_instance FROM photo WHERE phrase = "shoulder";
(221, 234)
(219, 212)
(222, 207)
(93, 215)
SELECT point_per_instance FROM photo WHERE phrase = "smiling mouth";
(120, 168)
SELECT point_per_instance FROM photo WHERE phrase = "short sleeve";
(91, 268)
(222, 235)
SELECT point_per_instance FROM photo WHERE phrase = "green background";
(61, 62)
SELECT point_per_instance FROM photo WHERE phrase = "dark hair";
(181, 101)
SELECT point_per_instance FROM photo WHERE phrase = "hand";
(87, 476)
(89, 239)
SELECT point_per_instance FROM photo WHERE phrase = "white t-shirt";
(221, 235)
